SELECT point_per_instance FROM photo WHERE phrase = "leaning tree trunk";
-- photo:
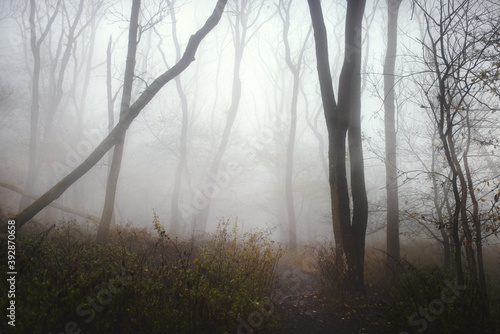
(125, 121)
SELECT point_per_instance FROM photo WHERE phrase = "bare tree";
(116, 162)
(175, 219)
(342, 120)
(125, 121)
(391, 167)
(295, 69)
(56, 65)
(441, 206)
(35, 45)
(246, 16)
(454, 43)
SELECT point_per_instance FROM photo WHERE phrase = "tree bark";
(445, 242)
(284, 11)
(452, 54)
(175, 220)
(114, 172)
(349, 239)
(391, 169)
(350, 79)
(125, 121)
(476, 220)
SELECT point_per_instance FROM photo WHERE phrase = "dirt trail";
(302, 310)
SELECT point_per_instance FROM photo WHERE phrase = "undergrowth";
(429, 300)
(139, 282)
(421, 298)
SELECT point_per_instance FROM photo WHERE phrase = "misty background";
(250, 184)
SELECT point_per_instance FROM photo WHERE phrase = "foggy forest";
(250, 166)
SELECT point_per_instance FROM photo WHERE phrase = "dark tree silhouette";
(342, 120)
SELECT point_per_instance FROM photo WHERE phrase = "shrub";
(140, 283)
(428, 299)
(331, 277)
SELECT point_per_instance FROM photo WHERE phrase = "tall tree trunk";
(182, 163)
(109, 94)
(337, 130)
(111, 108)
(175, 219)
(35, 110)
(109, 201)
(80, 103)
(445, 132)
(125, 121)
(391, 170)
(68, 39)
(290, 206)
(455, 210)
(461, 196)
(349, 239)
(240, 30)
(351, 81)
(35, 45)
(476, 221)
(284, 12)
(445, 242)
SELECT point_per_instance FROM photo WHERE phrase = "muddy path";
(298, 303)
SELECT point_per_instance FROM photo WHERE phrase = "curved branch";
(122, 126)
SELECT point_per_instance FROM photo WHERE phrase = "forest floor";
(303, 310)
